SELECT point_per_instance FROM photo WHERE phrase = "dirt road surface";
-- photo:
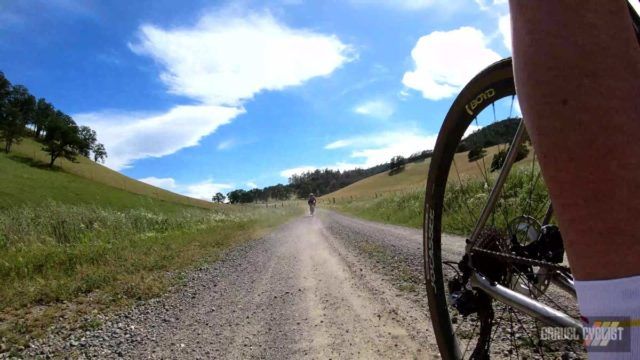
(322, 287)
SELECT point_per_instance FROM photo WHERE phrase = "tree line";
(275, 192)
(500, 132)
(22, 115)
(319, 182)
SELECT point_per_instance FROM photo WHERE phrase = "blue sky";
(203, 96)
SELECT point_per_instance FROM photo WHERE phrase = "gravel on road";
(317, 287)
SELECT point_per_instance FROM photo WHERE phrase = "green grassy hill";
(413, 177)
(399, 199)
(81, 239)
(26, 180)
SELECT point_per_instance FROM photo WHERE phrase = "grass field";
(399, 199)
(81, 238)
(18, 181)
(67, 261)
(413, 177)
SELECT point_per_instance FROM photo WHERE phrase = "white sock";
(618, 298)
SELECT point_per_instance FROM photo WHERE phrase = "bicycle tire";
(494, 82)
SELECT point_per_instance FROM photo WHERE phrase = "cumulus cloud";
(379, 148)
(373, 149)
(504, 25)
(379, 109)
(219, 63)
(132, 136)
(205, 189)
(224, 60)
(251, 184)
(446, 60)
(200, 190)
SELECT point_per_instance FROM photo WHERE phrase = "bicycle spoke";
(466, 348)
(537, 343)
(512, 334)
(511, 106)
(464, 193)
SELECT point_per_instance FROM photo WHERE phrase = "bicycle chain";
(521, 259)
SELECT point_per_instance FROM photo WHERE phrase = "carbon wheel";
(467, 322)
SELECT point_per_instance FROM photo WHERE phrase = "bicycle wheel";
(509, 235)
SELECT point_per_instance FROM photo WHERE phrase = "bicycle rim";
(489, 92)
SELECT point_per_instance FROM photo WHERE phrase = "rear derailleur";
(545, 246)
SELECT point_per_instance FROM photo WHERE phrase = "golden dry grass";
(414, 176)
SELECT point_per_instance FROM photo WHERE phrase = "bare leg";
(577, 68)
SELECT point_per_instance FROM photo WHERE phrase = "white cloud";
(504, 25)
(338, 144)
(376, 149)
(205, 189)
(132, 136)
(471, 129)
(201, 190)
(516, 108)
(164, 183)
(379, 109)
(226, 144)
(635, 5)
(251, 184)
(220, 62)
(446, 60)
(373, 149)
(226, 59)
(488, 4)
(404, 94)
(287, 173)
(399, 4)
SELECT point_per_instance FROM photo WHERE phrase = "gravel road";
(320, 287)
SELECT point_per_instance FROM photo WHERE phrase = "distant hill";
(25, 181)
(342, 183)
(415, 173)
(414, 176)
(500, 132)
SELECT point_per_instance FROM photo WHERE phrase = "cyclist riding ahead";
(312, 204)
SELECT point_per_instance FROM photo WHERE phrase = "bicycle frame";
(529, 306)
(532, 307)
